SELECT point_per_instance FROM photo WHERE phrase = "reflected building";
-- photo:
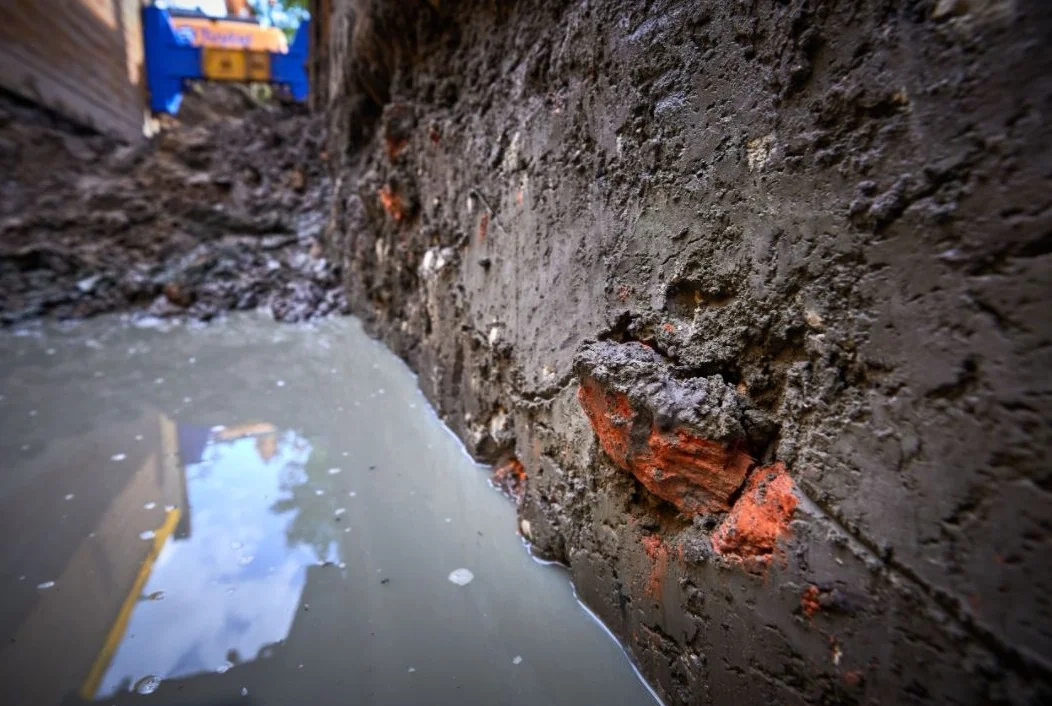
(191, 569)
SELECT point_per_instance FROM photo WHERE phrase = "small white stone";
(32, 413)
(158, 381)
(517, 660)
(352, 494)
(448, 520)
(46, 585)
(411, 670)
(280, 383)
(244, 691)
(461, 577)
(334, 471)
(148, 534)
(150, 505)
(118, 457)
(70, 496)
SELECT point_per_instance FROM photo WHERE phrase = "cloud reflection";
(232, 584)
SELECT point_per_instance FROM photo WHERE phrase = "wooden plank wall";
(81, 58)
(318, 66)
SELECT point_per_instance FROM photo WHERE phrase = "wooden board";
(81, 58)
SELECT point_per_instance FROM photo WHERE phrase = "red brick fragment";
(510, 477)
(694, 474)
(759, 518)
(658, 553)
(392, 202)
(809, 601)
(394, 146)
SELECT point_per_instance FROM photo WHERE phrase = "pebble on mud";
(461, 577)
(148, 684)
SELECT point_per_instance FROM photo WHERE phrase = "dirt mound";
(209, 215)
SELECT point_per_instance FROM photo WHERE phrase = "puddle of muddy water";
(257, 513)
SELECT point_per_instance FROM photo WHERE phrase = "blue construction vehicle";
(224, 52)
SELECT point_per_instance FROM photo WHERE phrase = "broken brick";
(392, 202)
(510, 477)
(658, 554)
(759, 518)
(809, 602)
(694, 474)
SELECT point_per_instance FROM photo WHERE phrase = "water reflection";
(226, 585)
(163, 559)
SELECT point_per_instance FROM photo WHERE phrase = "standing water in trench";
(250, 512)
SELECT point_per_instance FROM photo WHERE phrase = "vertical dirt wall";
(756, 293)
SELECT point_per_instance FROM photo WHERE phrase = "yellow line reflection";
(116, 633)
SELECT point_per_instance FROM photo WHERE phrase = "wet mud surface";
(222, 211)
(255, 513)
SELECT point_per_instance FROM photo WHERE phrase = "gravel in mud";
(222, 211)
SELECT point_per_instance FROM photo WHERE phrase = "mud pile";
(749, 300)
(221, 211)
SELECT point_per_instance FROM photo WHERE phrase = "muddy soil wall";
(748, 302)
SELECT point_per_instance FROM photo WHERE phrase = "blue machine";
(171, 60)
